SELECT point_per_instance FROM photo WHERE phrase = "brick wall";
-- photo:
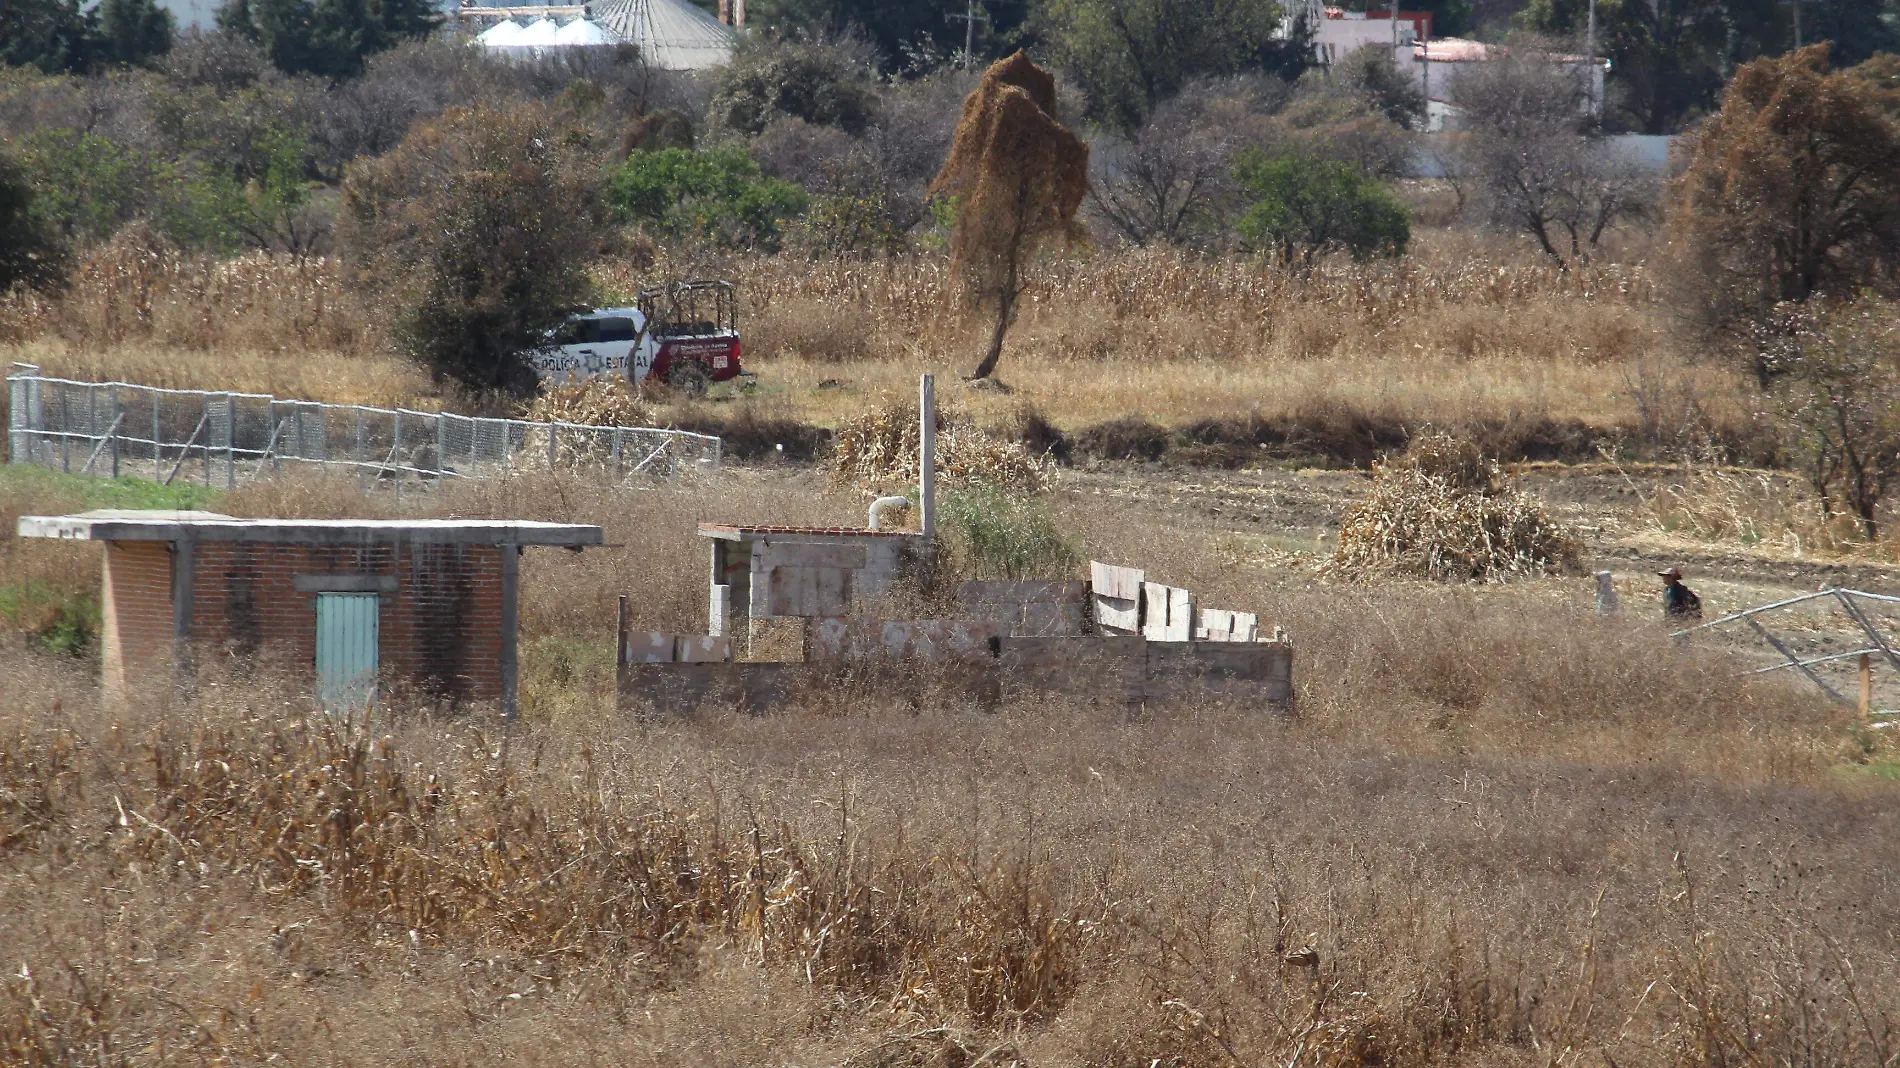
(440, 631)
(136, 638)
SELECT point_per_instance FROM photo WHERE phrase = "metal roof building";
(671, 34)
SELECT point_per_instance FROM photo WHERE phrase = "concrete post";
(927, 453)
(1607, 601)
(510, 630)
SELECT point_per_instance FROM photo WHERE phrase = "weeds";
(995, 534)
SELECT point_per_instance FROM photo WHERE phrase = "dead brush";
(880, 449)
(1711, 501)
(473, 848)
(605, 400)
(1445, 511)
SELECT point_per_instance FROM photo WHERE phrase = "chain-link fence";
(111, 429)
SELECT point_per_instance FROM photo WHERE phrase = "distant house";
(1432, 62)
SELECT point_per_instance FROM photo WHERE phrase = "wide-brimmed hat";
(1674, 573)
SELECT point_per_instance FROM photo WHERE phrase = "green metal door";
(348, 649)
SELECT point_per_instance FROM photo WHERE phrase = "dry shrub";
(879, 448)
(1445, 511)
(604, 400)
(1710, 501)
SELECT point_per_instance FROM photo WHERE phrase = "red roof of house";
(723, 529)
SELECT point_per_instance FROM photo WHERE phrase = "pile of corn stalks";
(605, 400)
(1445, 511)
(879, 449)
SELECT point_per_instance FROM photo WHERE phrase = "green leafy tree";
(1857, 29)
(996, 534)
(67, 36)
(719, 195)
(134, 31)
(1305, 207)
(328, 38)
(31, 253)
(1129, 55)
(1666, 57)
(84, 185)
(475, 234)
(906, 33)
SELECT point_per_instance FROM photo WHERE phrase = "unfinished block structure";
(764, 573)
(432, 603)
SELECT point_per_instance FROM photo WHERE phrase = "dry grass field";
(1500, 830)
(1464, 333)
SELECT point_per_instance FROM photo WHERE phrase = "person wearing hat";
(1679, 601)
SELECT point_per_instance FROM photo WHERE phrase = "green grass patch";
(87, 493)
(61, 621)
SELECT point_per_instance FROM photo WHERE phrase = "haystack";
(1445, 511)
(1018, 176)
(879, 450)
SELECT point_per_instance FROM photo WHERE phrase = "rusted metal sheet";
(685, 688)
(1117, 594)
(932, 641)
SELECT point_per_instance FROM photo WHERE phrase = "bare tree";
(1173, 182)
(1537, 160)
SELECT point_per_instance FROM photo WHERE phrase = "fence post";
(441, 443)
(230, 442)
(158, 460)
(204, 450)
(617, 471)
(553, 456)
(118, 417)
(1866, 685)
(21, 421)
(65, 428)
(395, 455)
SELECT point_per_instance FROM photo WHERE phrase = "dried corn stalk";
(601, 401)
(1444, 511)
(879, 448)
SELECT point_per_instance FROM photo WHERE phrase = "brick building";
(430, 603)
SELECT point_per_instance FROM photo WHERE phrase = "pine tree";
(134, 31)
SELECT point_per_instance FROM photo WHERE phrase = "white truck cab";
(610, 341)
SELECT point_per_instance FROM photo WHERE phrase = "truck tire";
(688, 377)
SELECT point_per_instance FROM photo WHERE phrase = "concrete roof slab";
(167, 525)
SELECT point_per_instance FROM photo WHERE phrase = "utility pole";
(970, 17)
(1590, 56)
(1795, 5)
